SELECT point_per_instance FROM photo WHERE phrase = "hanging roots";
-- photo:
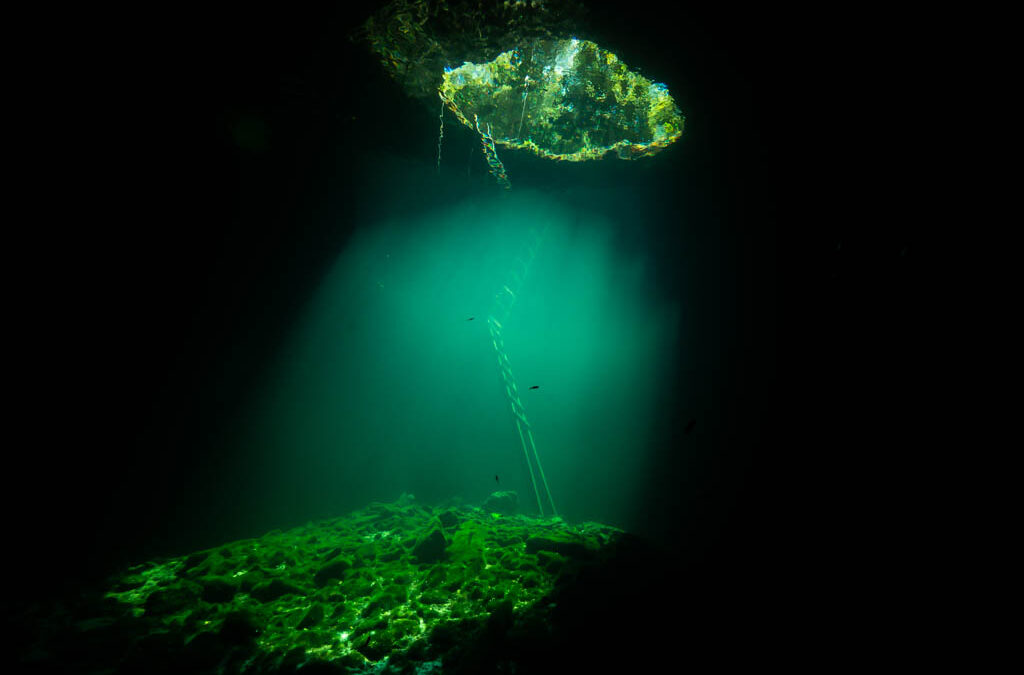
(440, 135)
(491, 154)
(526, 92)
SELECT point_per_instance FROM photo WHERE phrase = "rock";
(501, 619)
(127, 583)
(217, 590)
(272, 591)
(377, 646)
(332, 570)
(293, 659)
(158, 648)
(431, 548)
(436, 576)
(194, 560)
(330, 554)
(170, 600)
(202, 652)
(239, 628)
(435, 597)
(570, 549)
(348, 585)
(380, 603)
(390, 555)
(449, 519)
(551, 562)
(505, 503)
(366, 553)
(314, 616)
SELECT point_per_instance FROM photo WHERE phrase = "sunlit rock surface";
(395, 587)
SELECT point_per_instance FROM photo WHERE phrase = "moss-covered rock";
(431, 548)
(359, 583)
(505, 502)
(449, 519)
(377, 645)
(174, 599)
(380, 603)
(468, 543)
(435, 597)
(272, 590)
(314, 615)
(194, 560)
(567, 545)
(333, 570)
(393, 580)
(391, 554)
(239, 627)
(217, 589)
(435, 576)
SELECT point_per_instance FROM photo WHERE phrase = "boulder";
(505, 502)
(430, 549)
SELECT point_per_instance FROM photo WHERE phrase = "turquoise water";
(389, 380)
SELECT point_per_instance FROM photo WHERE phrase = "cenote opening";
(436, 338)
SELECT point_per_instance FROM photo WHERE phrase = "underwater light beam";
(387, 387)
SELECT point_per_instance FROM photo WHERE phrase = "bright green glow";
(360, 589)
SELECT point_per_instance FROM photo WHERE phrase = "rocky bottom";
(393, 588)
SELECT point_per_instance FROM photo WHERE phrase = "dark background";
(200, 171)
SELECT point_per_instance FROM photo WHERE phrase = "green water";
(389, 379)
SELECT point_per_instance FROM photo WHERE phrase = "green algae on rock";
(392, 584)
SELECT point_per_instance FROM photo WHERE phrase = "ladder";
(501, 306)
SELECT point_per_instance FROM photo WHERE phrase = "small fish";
(536, 386)
(689, 426)
(496, 479)
(470, 318)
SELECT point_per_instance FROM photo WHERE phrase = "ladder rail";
(502, 305)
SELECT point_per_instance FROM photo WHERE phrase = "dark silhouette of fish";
(470, 318)
(536, 386)
(689, 426)
(496, 479)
